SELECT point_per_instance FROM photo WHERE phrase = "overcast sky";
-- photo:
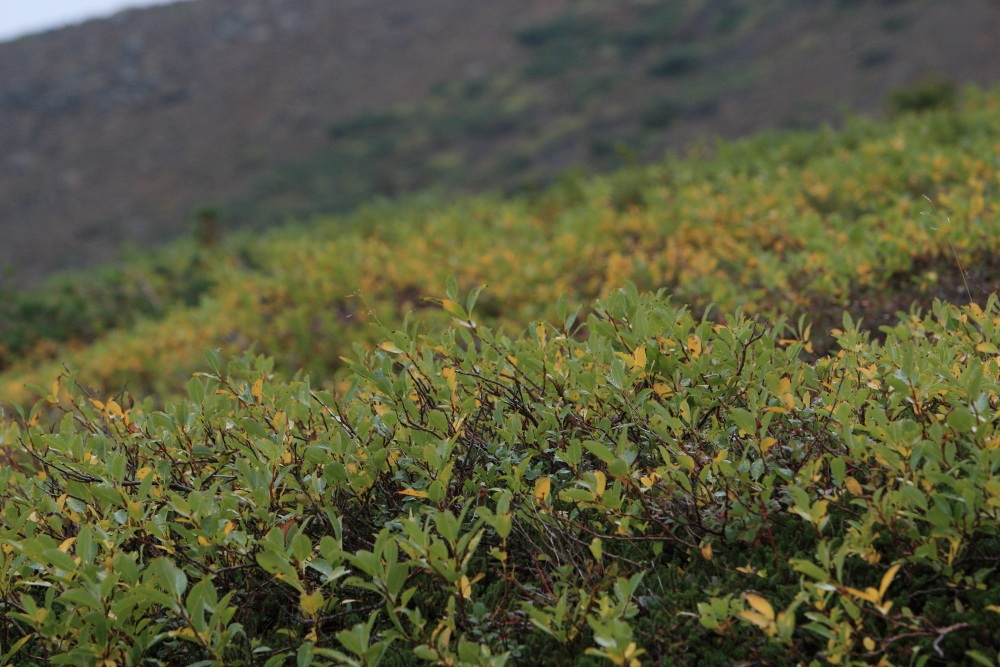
(20, 17)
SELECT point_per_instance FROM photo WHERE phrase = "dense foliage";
(660, 487)
(800, 223)
(580, 463)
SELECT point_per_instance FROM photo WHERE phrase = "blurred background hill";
(119, 133)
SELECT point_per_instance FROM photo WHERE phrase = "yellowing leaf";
(449, 375)
(452, 308)
(869, 594)
(764, 623)
(311, 603)
(53, 396)
(256, 388)
(988, 348)
(706, 551)
(597, 548)
(639, 358)
(785, 393)
(853, 486)
(464, 587)
(694, 346)
(389, 347)
(114, 410)
(760, 605)
(602, 482)
(662, 389)
(203, 541)
(542, 334)
(767, 443)
(417, 493)
(887, 580)
(543, 487)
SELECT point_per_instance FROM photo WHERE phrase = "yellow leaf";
(256, 389)
(66, 544)
(869, 594)
(542, 334)
(694, 346)
(311, 603)
(97, 404)
(759, 620)
(639, 358)
(887, 580)
(785, 393)
(853, 486)
(602, 482)
(449, 375)
(869, 643)
(114, 410)
(767, 443)
(706, 551)
(389, 347)
(762, 606)
(464, 587)
(53, 396)
(203, 541)
(543, 487)
(663, 389)
(417, 493)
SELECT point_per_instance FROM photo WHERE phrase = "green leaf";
(810, 569)
(961, 419)
(173, 578)
(838, 470)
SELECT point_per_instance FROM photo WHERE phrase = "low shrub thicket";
(797, 223)
(646, 486)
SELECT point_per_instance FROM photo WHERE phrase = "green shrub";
(926, 96)
(607, 488)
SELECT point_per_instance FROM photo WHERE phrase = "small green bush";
(926, 96)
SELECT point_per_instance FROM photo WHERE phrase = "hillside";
(870, 220)
(736, 408)
(116, 132)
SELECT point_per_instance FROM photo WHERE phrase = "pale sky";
(21, 17)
